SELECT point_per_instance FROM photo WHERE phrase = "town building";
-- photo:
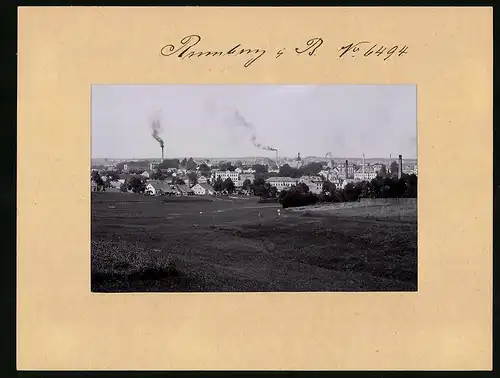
(338, 181)
(340, 171)
(184, 190)
(246, 176)
(367, 175)
(202, 180)
(410, 169)
(136, 165)
(203, 189)
(158, 188)
(153, 164)
(223, 175)
(324, 173)
(310, 178)
(298, 161)
(282, 183)
(314, 186)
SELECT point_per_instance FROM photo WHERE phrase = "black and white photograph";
(253, 188)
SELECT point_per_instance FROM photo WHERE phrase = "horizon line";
(395, 157)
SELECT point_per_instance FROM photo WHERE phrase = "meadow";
(220, 244)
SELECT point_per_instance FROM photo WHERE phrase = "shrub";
(296, 198)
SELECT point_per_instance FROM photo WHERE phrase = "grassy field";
(193, 244)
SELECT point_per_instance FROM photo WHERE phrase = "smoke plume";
(328, 154)
(156, 129)
(243, 122)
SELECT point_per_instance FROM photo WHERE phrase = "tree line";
(379, 187)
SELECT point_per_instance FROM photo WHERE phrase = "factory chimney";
(277, 161)
(363, 166)
(346, 169)
(162, 154)
(400, 166)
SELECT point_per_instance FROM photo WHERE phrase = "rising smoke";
(243, 122)
(155, 130)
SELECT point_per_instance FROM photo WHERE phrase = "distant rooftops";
(281, 179)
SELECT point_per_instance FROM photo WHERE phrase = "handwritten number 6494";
(375, 49)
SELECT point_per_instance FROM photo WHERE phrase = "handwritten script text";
(187, 49)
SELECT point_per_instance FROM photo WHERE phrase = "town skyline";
(242, 121)
(260, 157)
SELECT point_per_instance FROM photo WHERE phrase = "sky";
(220, 120)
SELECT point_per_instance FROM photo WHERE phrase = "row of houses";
(157, 187)
(315, 183)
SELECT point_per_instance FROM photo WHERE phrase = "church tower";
(298, 161)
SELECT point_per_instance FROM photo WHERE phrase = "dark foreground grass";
(125, 266)
(144, 244)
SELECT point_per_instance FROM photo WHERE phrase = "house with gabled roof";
(158, 188)
(203, 189)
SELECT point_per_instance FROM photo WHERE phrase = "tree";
(247, 184)
(227, 166)
(352, 192)
(302, 188)
(158, 175)
(282, 195)
(378, 184)
(193, 178)
(120, 166)
(367, 189)
(137, 185)
(203, 168)
(328, 188)
(287, 171)
(397, 188)
(294, 197)
(123, 187)
(273, 191)
(261, 188)
(228, 185)
(411, 186)
(113, 176)
(96, 177)
(218, 185)
(311, 169)
(258, 186)
(259, 168)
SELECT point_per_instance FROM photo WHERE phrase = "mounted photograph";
(253, 188)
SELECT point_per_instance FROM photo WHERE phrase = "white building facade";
(282, 183)
(203, 189)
